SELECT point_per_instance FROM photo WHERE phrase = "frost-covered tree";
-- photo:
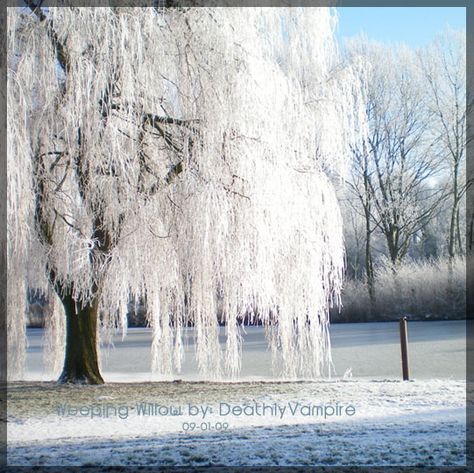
(443, 64)
(392, 170)
(177, 155)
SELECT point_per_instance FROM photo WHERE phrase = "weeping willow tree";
(179, 156)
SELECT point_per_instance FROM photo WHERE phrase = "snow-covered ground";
(363, 422)
(367, 417)
(378, 423)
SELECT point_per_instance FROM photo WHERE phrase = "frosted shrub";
(430, 289)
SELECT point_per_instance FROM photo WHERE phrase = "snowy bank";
(340, 422)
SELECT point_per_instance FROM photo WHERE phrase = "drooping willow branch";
(61, 52)
(183, 152)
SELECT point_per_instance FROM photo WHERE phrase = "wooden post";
(404, 347)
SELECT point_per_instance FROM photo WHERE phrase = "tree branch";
(62, 54)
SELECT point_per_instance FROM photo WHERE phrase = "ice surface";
(436, 350)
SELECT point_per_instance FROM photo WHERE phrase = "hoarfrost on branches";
(198, 143)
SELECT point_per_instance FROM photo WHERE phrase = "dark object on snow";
(404, 347)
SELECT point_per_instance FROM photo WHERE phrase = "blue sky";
(415, 26)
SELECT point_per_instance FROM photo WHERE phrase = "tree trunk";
(393, 249)
(458, 232)
(452, 232)
(369, 271)
(454, 210)
(81, 364)
(470, 235)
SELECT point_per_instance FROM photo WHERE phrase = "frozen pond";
(436, 350)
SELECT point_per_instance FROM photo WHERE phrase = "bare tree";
(361, 188)
(443, 64)
(393, 170)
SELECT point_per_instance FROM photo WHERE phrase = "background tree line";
(404, 200)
